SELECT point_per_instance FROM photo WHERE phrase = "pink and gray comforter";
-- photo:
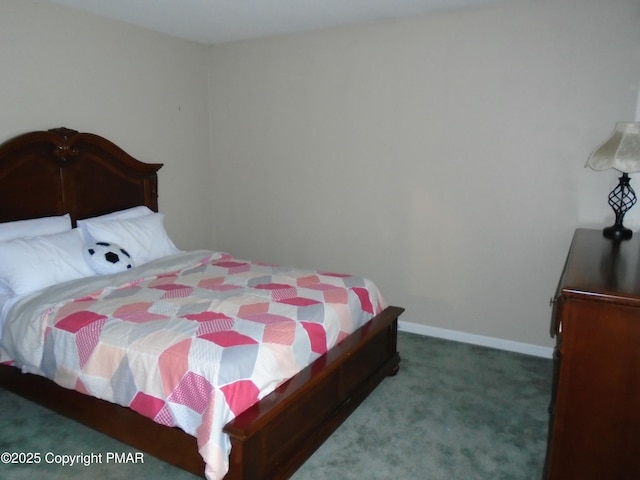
(191, 340)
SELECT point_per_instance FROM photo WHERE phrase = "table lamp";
(621, 152)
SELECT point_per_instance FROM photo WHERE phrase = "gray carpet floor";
(454, 411)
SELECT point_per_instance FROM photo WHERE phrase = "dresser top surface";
(602, 267)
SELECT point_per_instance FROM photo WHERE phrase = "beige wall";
(145, 91)
(442, 157)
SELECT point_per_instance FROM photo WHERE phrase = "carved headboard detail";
(62, 171)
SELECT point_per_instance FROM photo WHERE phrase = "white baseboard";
(457, 336)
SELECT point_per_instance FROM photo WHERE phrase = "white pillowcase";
(33, 263)
(132, 212)
(34, 227)
(145, 238)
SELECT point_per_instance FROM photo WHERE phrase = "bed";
(64, 172)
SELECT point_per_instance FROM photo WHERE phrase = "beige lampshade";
(621, 151)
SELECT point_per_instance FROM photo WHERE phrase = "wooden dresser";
(594, 430)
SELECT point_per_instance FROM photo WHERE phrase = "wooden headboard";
(62, 171)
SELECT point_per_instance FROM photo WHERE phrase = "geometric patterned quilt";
(195, 345)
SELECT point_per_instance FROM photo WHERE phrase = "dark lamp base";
(621, 199)
(617, 232)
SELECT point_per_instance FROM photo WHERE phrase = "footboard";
(275, 436)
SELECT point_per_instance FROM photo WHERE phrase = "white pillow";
(33, 263)
(132, 212)
(34, 227)
(143, 237)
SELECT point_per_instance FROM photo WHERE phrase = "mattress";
(190, 340)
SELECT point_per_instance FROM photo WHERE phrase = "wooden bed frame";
(62, 171)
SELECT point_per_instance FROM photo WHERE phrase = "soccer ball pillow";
(105, 258)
